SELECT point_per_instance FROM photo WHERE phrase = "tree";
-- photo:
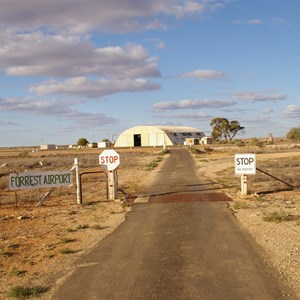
(294, 134)
(82, 142)
(106, 140)
(224, 129)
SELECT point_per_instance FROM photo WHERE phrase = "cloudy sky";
(93, 68)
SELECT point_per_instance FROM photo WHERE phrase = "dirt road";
(179, 250)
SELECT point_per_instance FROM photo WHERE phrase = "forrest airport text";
(50, 179)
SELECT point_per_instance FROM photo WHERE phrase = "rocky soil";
(40, 245)
(269, 214)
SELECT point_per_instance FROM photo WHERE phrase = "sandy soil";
(279, 241)
(39, 246)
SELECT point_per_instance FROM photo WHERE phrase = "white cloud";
(292, 111)
(258, 97)
(57, 55)
(81, 86)
(8, 123)
(105, 15)
(256, 21)
(191, 116)
(158, 43)
(61, 109)
(192, 104)
(204, 75)
(248, 22)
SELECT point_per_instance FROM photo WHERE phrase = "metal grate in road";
(189, 197)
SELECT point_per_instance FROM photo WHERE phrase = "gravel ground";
(33, 241)
(279, 238)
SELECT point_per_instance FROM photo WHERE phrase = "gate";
(93, 172)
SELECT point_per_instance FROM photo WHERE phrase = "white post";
(112, 184)
(78, 183)
(244, 185)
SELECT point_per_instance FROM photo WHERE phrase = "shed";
(47, 147)
(206, 140)
(146, 136)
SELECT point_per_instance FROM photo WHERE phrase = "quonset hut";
(145, 136)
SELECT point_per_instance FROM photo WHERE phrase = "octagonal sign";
(109, 160)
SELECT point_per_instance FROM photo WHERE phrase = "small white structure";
(47, 147)
(145, 136)
(205, 140)
(104, 144)
(92, 145)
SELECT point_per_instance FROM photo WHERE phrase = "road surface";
(183, 245)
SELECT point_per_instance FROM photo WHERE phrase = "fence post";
(112, 184)
(244, 185)
(78, 182)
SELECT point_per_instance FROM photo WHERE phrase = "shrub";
(82, 226)
(165, 151)
(241, 205)
(256, 142)
(276, 216)
(67, 251)
(23, 292)
(152, 165)
(294, 134)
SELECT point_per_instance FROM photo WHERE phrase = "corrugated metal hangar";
(143, 136)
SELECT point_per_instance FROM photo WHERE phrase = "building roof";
(177, 128)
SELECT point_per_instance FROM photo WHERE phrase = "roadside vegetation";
(24, 292)
(294, 134)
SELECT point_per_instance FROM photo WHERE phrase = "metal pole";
(291, 186)
(244, 185)
(78, 182)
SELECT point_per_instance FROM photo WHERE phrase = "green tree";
(294, 134)
(106, 140)
(82, 142)
(224, 129)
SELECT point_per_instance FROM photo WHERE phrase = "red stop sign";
(109, 160)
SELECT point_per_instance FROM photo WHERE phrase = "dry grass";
(37, 244)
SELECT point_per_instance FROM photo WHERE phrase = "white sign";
(24, 181)
(245, 164)
(109, 160)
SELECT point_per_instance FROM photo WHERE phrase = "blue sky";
(93, 68)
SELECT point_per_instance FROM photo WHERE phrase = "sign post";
(109, 161)
(245, 164)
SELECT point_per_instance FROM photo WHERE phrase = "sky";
(94, 68)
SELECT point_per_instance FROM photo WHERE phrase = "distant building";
(206, 140)
(104, 144)
(47, 147)
(145, 136)
(191, 141)
(92, 145)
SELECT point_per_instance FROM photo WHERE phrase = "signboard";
(23, 181)
(109, 160)
(245, 164)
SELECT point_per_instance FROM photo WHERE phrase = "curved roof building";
(145, 136)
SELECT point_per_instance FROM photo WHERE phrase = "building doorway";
(137, 140)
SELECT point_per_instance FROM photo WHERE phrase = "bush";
(276, 216)
(23, 292)
(294, 134)
(165, 151)
(256, 142)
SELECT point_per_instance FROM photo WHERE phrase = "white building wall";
(157, 136)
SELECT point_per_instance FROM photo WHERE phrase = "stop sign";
(109, 160)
